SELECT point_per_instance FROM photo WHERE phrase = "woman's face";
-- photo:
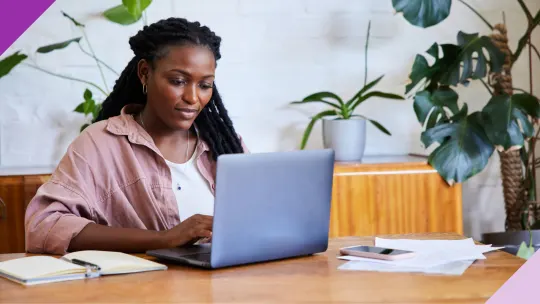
(179, 85)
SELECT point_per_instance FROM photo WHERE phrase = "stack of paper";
(449, 257)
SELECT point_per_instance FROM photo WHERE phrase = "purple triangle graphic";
(521, 287)
(16, 16)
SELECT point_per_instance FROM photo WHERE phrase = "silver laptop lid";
(271, 206)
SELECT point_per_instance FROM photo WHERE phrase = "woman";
(142, 176)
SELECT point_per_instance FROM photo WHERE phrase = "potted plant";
(344, 130)
(129, 12)
(508, 123)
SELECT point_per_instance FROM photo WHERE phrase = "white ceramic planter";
(347, 137)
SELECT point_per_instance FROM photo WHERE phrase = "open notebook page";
(35, 267)
(115, 262)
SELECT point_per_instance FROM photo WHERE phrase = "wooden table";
(309, 279)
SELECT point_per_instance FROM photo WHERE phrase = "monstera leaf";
(506, 120)
(471, 44)
(433, 106)
(464, 147)
(423, 13)
(455, 65)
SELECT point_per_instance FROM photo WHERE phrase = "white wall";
(274, 51)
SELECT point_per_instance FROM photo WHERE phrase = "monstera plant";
(126, 13)
(466, 140)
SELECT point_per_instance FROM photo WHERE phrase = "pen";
(84, 263)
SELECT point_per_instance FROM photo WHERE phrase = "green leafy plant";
(341, 109)
(506, 124)
(129, 12)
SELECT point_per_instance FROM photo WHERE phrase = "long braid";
(215, 126)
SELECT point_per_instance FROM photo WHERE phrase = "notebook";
(74, 266)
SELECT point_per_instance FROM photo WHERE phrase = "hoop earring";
(144, 89)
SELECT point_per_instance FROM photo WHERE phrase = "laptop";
(267, 206)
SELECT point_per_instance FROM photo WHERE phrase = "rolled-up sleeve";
(60, 209)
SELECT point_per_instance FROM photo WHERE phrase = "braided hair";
(214, 125)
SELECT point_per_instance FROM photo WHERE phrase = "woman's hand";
(189, 231)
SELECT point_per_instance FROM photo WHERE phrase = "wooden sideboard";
(393, 195)
(15, 193)
(388, 195)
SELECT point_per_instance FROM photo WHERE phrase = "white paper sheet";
(451, 257)
(453, 268)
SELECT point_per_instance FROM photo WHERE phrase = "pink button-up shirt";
(112, 174)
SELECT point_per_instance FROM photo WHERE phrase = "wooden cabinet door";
(16, 192)
(393, 198)
(12, 214)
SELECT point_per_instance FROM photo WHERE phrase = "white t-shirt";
(192, 191)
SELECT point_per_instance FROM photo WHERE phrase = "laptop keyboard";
(203, 257)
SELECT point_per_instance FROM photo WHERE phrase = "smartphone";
(372, 252)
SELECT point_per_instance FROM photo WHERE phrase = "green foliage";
(454, 65)
(341, 109)
(136, 7)
(75, 22)
(506, 120)
(129, 12)
(525, 252)
(88, 107)
(11, 61)
(57, 46)
(423, 13)
(119, 14)
(464, 148)
(465, 142)
(346, 110)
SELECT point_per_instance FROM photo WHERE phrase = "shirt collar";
(125, 125)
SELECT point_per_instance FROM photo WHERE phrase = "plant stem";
(530, 68)
(526, 10)
(525, 38)
(365, 52)
(67, 77)
(533, 140)
(534, 48)
(97, 62)
(486, 85)
(520, 90)
(100, 61)
(145, 21)
(478, 14)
